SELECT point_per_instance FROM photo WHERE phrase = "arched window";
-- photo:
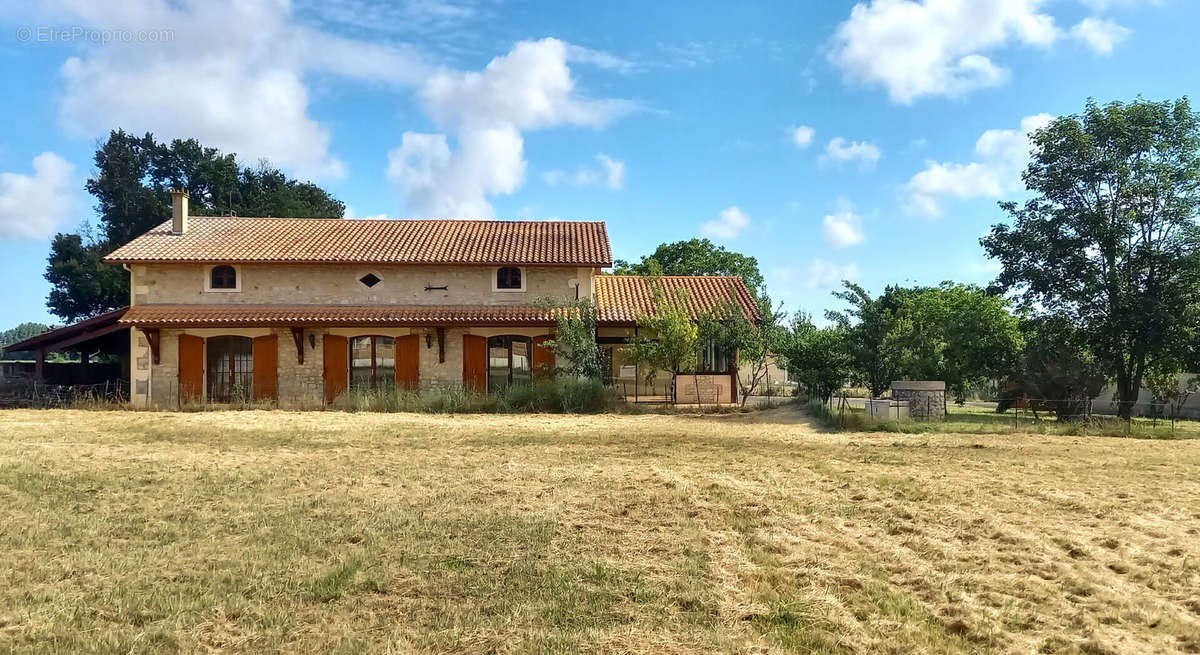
(222, 277)
(230, 369)
(508, 278)
(509, 361)
(372, 362)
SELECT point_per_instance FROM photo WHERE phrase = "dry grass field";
(753, 533)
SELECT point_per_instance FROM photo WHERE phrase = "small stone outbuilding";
(926, 398)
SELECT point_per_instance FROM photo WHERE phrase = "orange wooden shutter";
(474, 362)
(191, 368)
(408, 369)
(266, 367)
(543, 357)
(337, 366)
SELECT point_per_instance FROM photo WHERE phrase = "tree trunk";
(1127, 394)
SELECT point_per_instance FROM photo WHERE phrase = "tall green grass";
(555, 395)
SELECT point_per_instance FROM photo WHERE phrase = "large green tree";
(957, 333)
(1109, 241)
(695, 257)
(132, 183)
(1057, 370)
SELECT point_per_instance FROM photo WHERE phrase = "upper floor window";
(223, 278)
(509, 278)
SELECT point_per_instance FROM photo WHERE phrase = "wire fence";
(33, 394)
(1018, 414)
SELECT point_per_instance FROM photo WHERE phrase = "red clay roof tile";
(376, 241)
(622, 299)
(333, 315)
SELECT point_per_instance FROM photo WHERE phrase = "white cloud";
(1100, 34)
(918, 48)
(601, 59)
(609, 173)
(843, 227)
(819, 274)
(1001, 155)
(529, 88)
(34, 206)
(802, 135)
(840, 151)
(231, 74)
(729, 225)
(353, 213)
(1104, 5)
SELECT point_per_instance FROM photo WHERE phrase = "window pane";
(508, 277)
(223, 277)
(497, 367)
(230, 368)
(360, 363)
(385, 361)
(521, 367)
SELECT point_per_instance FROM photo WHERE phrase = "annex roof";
(621, 299)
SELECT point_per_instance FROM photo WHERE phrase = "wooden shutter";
(191, 368)
(337, 366)
(474, 362)
(266, 367)
(543, 357)
(408, 369)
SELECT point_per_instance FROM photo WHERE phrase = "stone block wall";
(926, 399)
(328, 284)
(712, 389)
(301, 386)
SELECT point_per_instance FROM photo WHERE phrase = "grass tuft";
(333, 584)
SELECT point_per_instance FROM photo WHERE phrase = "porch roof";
(335, 315)
(71, 335)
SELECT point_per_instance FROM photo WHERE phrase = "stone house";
(300, 311)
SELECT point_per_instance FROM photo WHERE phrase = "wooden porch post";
(39, 366)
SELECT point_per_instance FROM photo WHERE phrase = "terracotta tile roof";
(621, 299)
(334, 315)
(376, 241)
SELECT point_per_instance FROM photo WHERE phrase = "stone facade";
(926, 399)
(302, 385)
(265, 284)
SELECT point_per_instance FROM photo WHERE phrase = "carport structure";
(103, 335)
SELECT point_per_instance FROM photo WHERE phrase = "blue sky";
(867, 140)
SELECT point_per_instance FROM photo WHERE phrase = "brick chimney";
(179, 211)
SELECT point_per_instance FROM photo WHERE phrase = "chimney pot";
(179, 211)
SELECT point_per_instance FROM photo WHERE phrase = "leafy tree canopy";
(132, 183)
(1057, 369)
(20, 333)
(957, 333)
(695, 257)
(1110, 241)
(818, 358)
(667, 340)
(574, 343)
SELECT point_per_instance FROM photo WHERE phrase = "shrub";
(554, 395)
